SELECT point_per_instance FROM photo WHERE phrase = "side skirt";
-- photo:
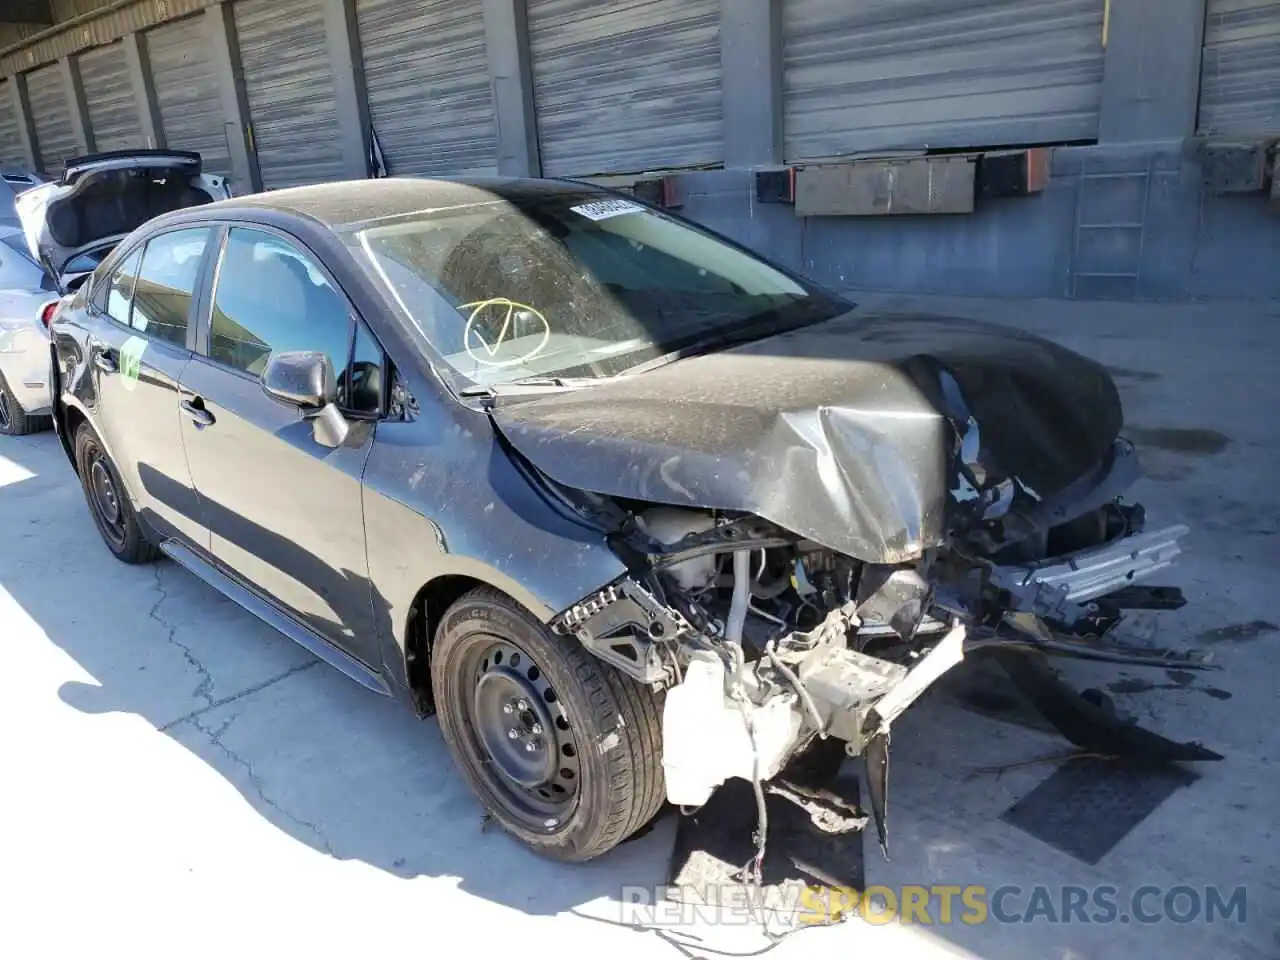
(269, 613)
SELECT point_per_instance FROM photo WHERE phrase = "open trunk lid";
(102, 198)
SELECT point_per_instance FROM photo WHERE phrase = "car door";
(284, 510)
(140, 338)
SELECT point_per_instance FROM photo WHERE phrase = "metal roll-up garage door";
(51, 114)
(11, 153)
(289, 83)
(908, 74)
(625, 87)
(427, 78)
(113, 111)
(187, 92)
(1240, 70)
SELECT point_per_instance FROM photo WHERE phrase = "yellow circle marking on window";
(502, 312)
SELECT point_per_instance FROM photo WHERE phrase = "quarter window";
(272, 298)
(361, 389)
(166, 284)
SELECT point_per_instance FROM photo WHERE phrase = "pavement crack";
(203, 688)
(255, 688)
(255, 783)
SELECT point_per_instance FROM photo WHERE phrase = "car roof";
(347, 203)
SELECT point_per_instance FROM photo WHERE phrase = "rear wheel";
(563, 750)
(14, 421)
(109, 501)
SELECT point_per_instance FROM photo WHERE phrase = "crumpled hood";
(853, 432)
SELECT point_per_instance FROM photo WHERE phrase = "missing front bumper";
(714, 730)
(1050, 588)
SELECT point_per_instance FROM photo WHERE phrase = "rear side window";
(272, 298)
(166, 284)
(118, 290)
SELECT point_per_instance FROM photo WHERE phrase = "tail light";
(46, 315)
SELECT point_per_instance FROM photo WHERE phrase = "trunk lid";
(70, 223)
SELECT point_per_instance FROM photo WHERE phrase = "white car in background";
(28, 296)
(96, 202)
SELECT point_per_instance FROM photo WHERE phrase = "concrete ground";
(175, 778)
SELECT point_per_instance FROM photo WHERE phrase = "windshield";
(572, 284)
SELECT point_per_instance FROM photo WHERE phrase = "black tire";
(605, 729)
(109, 501)
(14, 421)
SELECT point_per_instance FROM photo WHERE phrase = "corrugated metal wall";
(1240, 71)
(110, 25)
(885, 74)
(626, 86)
(427, 76)
(51, 115)
(11, 154)
(289, 83)
(66, 9)
(113, 111)
(187, 93)
(11, 33)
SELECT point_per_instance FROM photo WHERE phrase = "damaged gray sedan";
(634, 511)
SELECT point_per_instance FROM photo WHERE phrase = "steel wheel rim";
(521, 736)
(106, 497)
(6, 421)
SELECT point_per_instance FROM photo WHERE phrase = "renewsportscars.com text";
(942, 904)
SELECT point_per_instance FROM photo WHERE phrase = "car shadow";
(350, 774)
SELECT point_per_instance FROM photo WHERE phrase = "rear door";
(284, 511)
(140, 337)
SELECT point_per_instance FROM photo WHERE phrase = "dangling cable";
(753, 871)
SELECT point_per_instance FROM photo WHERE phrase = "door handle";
(196, 411)
(105, 362)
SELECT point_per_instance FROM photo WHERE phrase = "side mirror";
(302, 379)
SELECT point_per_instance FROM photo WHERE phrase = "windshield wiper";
(553, 383)
(538, 382)
(762, 325)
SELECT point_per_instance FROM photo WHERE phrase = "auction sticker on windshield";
(604, 209)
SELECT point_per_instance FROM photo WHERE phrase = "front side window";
(273, 298)
(571, 282)
(166, 283)
(117, 292)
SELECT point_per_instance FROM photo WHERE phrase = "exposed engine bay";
(768, 643)
(818, 525)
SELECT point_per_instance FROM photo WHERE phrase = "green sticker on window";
(131, 361)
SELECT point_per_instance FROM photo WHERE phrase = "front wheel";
(563, 750)
(109, 501)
